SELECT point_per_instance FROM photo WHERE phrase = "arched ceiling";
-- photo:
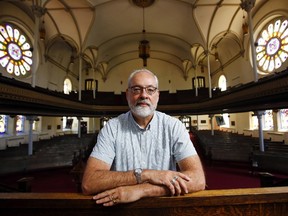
(110, 30)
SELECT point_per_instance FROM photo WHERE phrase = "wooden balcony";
(268, 93)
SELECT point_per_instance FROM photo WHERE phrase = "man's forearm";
(197, 181)
(101, 180)
(151, 190)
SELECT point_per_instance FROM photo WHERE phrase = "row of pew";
(233, 147)
(57, 152)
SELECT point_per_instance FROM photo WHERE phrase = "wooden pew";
(225, 146)
(241, 202)
(271, 161)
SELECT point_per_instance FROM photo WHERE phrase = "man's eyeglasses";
(136, 90)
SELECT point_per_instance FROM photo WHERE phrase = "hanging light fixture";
(144, 45)
(144, 50)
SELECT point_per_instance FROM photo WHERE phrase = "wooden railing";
(232, 202)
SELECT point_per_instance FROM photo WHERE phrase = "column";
(260, 129)
(80, 78)
(79, 126)
(247, 5)
(212, 124)
(31, 119)
(39, 12)
(94, 82)
(209, 74)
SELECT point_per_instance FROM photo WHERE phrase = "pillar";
(39, 12)
(260, 129)
(212, 124)
(31, 119)
(247, 5)
(80, 78)
(209, 74)
(79, 126)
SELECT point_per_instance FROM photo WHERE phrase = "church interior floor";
(218, 176)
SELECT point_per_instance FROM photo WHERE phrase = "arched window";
(20, 123)
(15, 51)
(67, 86)
(222, 83)
(268, 120)
(254, 122)
(272, 45)
(3, 124)
(283, 116)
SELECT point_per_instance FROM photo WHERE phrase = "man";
(136, 153)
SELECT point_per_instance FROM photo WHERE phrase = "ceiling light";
(144, 46)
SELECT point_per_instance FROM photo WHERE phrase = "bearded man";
(137, 153)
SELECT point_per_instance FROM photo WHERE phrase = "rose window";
(15, 51)
(272, 46)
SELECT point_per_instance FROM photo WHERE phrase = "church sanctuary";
(223, 72)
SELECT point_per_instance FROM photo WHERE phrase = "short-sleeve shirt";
(124, 145)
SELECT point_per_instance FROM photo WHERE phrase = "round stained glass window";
(272, 45)
(15, 51)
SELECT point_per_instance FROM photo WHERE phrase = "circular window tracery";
(272, 46)
(15, 51)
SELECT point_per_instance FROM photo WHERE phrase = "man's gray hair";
(142, 70)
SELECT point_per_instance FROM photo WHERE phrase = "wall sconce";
(216, 56)
(202, 69)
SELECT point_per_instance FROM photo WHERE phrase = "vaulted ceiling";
(107, 32)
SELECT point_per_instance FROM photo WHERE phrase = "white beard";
(143, 111)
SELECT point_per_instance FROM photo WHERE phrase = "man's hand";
(176, 182)
(123, 194)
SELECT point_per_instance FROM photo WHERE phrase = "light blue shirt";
(123, 144)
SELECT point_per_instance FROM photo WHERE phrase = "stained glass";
(268, 120)
(15, 51)
(283, 119)
(272, 46)
(3, 124)
(20, 123)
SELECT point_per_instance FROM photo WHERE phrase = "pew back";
(246, 202)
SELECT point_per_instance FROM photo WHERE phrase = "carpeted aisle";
(60, 179)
